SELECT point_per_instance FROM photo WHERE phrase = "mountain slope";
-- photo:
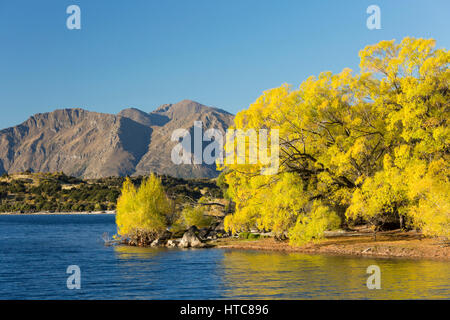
(92, 145)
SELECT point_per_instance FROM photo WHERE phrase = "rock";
(190, 239)
(367, 250)
(193, 229)
(156, 243)
(203, 233)
(172, 243)
(220, 227)
(159, 242)
(178, 234)
(212, 235)
(214, 225)
(166, 235)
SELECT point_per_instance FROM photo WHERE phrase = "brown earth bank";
(387, 245)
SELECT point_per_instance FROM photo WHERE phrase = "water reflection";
(260, 275)
(125, 272)
(131, 252)
(161, 273)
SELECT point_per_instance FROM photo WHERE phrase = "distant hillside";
(88, 144)
(56, 192)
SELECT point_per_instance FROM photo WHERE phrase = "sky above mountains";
(221, 53)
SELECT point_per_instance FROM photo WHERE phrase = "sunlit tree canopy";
(142, 212)
(372, 145)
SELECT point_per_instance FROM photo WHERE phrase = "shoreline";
(389, 244)
(409, 245)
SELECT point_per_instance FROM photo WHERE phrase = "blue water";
(35, 251)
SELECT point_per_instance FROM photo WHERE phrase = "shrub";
(141, 214)
(244, 235)
(195, 217)
(253, 236)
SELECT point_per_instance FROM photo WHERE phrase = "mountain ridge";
(90, 144)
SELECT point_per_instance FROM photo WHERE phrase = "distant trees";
(17, 186)
(142, 213)
(47, 187)
(45, 192)
(61, 193)
(372, 146)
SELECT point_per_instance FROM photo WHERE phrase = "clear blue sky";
(221, 53)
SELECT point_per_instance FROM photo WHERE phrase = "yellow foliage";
(362, 143)
(312, 226)
(142, 210)
(430, 196)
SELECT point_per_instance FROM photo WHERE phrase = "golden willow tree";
(372, 146)
(142, 215)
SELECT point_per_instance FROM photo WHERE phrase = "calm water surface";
(35, 251)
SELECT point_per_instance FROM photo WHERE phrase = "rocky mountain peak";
(92, 145)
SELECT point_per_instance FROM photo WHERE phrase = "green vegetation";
(249, 236)
(195, 216)
(56, 192)
(146, 213)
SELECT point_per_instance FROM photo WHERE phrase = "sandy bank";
(387, 245)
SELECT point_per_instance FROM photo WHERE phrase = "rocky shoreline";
(389, 244)
(190, 238)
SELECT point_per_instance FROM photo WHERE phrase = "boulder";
(193, 229)
(220, 227)
(157, 243)
(190, 239)
(162, 240)
(172, 243)
(203, 233)
(178, 234)
(214, 225)
(212, 235)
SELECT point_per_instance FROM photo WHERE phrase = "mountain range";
(88, 144)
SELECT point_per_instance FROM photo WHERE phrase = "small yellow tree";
(126, 208)
(141, 214)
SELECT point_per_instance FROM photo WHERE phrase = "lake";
(35, 251)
